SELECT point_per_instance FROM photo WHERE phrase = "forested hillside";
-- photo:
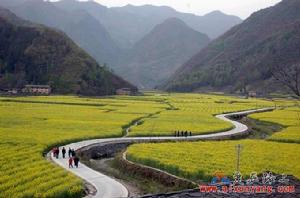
(35, 54)
(79, 25)
(245, 57)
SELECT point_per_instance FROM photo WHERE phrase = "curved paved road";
(109, 188)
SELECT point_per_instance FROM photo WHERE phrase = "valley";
(160, 99)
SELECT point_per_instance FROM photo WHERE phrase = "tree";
(289, 76)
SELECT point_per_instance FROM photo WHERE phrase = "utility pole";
(238, 149)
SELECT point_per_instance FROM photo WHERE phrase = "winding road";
(109, 188)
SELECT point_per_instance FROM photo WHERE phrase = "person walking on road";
(57, 153)
(73, 153)
(63, 151)
(54, 152)
(71, 162)
(76, 161)
(70, 152)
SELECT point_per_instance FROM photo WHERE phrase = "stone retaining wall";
(163, 177)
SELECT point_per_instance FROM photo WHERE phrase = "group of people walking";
(182, 133)
(73, 159)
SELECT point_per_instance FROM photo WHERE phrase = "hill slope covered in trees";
(35, 54)
(244, 57)
(79, 25)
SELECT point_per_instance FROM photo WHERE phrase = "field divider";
(135, 122)
(108, 187)
(53, 103)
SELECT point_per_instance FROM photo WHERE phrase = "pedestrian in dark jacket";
(185, 133)
(73, 153)
(76, 161)
(70, 152)
(182, 133)
(63, 151)
(57, 153)
(190, 133)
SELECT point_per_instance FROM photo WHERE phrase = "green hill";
(85, 30)
(35, 54)
(244, 56)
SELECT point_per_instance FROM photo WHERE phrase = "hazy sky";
(241, 8)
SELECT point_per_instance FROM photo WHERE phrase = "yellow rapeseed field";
(287, 117)
(195, 113)
(200, 160)
(29, 126)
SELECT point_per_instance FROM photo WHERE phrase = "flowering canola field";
(200, 160)
(29, 126)
(287, 117)
(195, 113)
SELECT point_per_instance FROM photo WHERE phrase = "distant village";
(46, 90)
(29, 90)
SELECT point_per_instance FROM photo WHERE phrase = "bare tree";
(289, 76)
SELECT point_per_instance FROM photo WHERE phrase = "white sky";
(241, 8)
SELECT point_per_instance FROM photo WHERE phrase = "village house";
(37, 89)
(124, 91)
(12, 91)
(252, 94)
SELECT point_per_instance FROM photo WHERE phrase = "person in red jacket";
(71, 162)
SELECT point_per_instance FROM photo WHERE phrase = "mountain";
(35, 54)
(111, 35)
(128, 24)
(213, 24)
(245, 55)
(155, 57)
(5, 3)
(83, 28)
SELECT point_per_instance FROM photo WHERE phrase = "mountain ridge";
(135, 22)
(156, 56)
(110, 34)
(244, 55)
(35, 54)
(82, 27)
